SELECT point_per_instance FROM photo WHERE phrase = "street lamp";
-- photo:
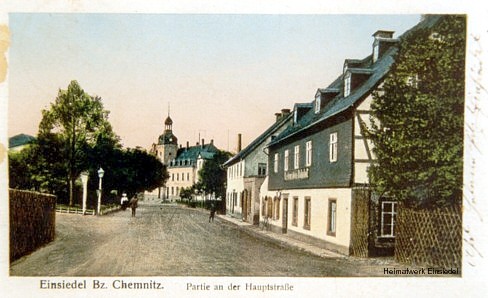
(84, 180)
(100, 176)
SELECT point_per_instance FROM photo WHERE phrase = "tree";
(78, 119)
(213, 176)
(418, 117)
(39, 167)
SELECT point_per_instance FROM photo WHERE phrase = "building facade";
(318, 165)
(247, 170)
(182, 163)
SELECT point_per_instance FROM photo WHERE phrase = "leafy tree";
(418, 134)
(126, 170)
(213, 176)
(78, 119)
(39, 167)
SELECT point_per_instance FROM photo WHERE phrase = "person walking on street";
(124, 201)
(212, 213)
(133, 205)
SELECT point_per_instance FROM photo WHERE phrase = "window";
(332, 219)
(294, 220)
(297, 157)
(172, 177)
(172, 190)
(287, 153)
(307, 213)
(263, 207)
(347, 84)
(333, 147)
(276, 163)
(317, 104)
(276, 208)
(261, 169)
(388, 218)
(375, 51)
(269, 211)
(177, 177)
(308, 154)
(187, 176)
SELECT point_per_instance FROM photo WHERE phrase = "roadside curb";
(267, 236)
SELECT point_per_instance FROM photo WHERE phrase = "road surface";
(170, 240)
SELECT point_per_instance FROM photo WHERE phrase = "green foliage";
(213, 176)
(418, 134)
(39, 167)
(78, 119)
(74, 136)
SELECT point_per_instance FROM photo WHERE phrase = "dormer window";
(376, 50)
(317, 103)
(295, 116)
(347, 84)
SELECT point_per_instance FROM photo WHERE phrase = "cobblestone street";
(170, 240)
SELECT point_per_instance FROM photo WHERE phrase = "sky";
(220, 74)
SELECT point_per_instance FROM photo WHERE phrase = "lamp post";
(84, 180)
(100, 176)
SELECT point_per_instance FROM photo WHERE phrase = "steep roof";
(191, 153)
(258, 141)
(19, 140)
(376, 71)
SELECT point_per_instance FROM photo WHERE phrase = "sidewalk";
(280, 239)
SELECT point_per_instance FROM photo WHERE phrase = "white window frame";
(296, 159)
(376, 51)
(333, 147)
(392, 222)
(347, 84)
(276, 160)
(317, 104)
(308, 154)
(332, 222)
(285, 161)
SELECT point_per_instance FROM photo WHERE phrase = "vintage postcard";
(287, 150)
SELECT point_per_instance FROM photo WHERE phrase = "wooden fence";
(32, 221)
(429, 237)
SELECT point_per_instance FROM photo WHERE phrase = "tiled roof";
(258, 141)
(19, 140)
(339, 103)
(191, 154)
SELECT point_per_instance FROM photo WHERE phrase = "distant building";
(183, 163)
(19, 142)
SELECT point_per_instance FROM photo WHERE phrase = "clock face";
(171, 139)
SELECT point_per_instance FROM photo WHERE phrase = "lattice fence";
(429, 237)
(360, 219)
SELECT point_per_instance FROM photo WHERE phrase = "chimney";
(211, 142)
(187, 144)
(198, 143)
(239, 142)
(278, 116)
(203, 142)
(285, 112)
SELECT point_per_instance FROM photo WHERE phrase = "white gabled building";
(247, 170)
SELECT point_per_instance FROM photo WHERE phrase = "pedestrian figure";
(124, 201)
(212, 213)
(133, 205)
